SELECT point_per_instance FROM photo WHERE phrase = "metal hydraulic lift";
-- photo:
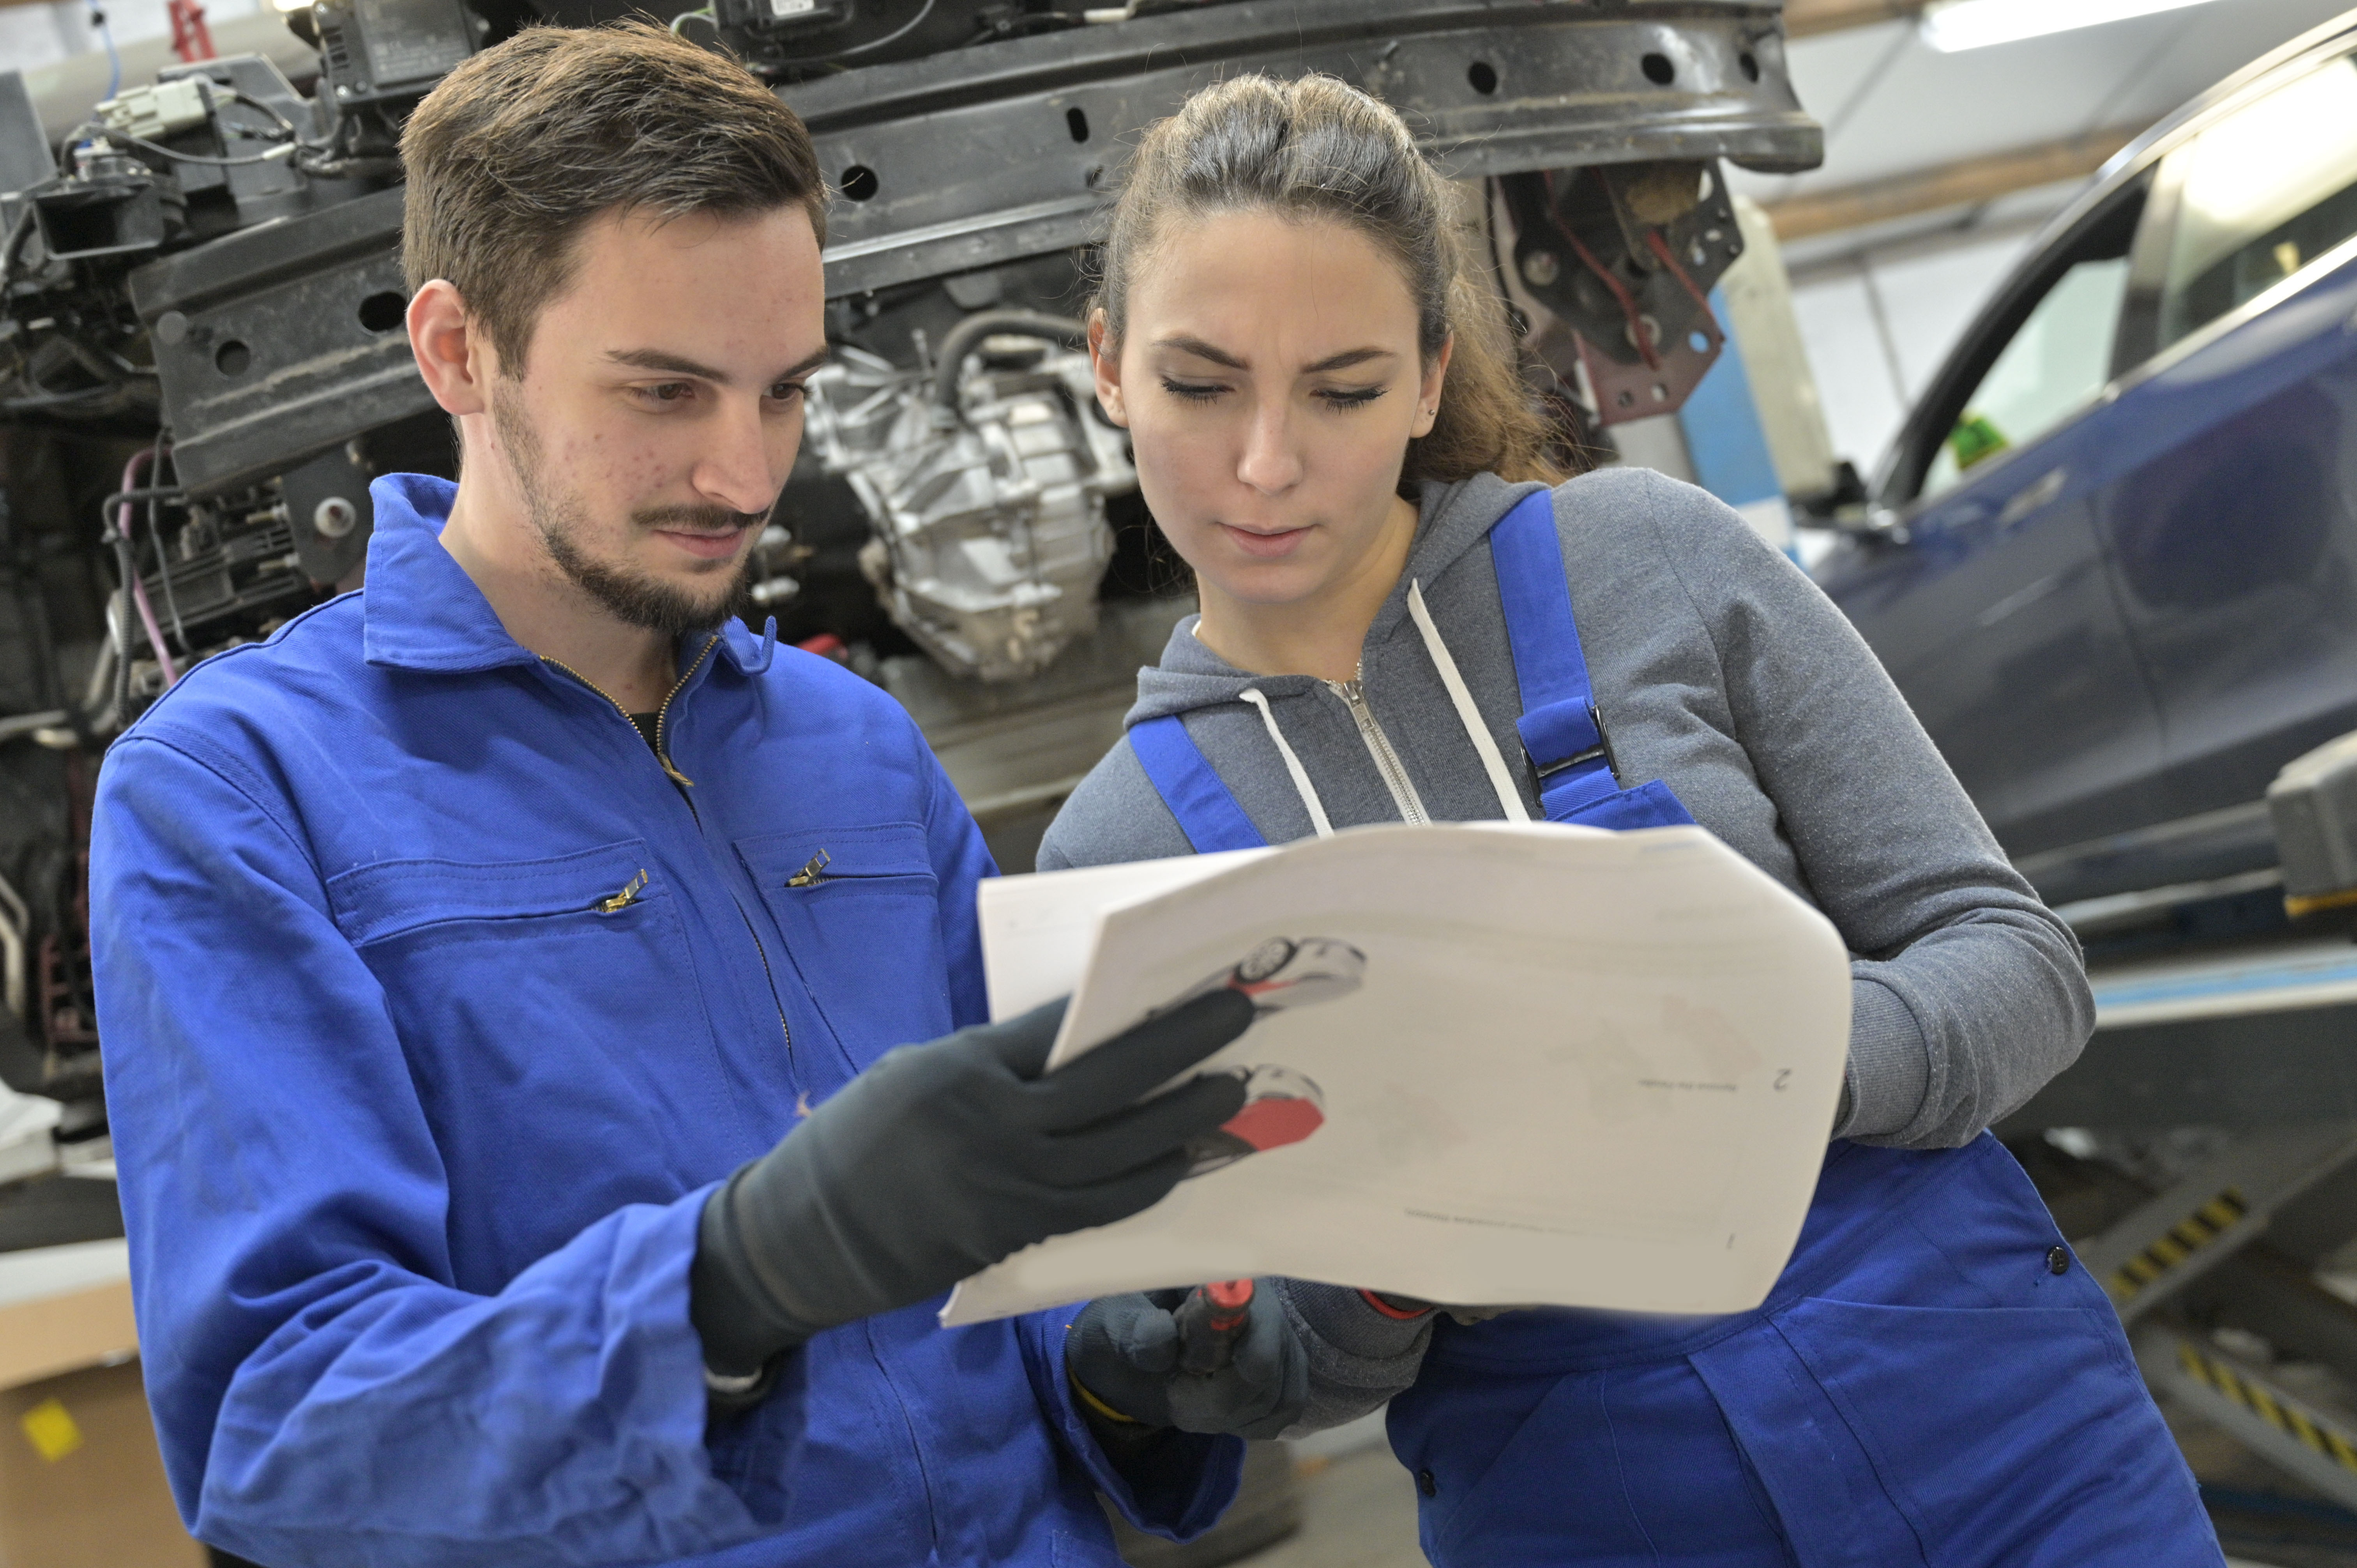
(2252, 1040)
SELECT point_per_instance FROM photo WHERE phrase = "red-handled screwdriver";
(1211, 1320)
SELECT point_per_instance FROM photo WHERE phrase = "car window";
(2061, 358)
(2262, 193)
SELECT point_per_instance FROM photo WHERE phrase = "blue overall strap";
(1206, 809)
(1559, 726)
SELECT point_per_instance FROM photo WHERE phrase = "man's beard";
(628, 597)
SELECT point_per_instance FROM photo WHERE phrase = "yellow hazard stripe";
(2298, 904)
(2295, 1421)
(2180, 1242)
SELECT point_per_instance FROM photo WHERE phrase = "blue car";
(2112, 559)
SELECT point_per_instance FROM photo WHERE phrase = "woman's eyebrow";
(1344, 361)
(1202, 351)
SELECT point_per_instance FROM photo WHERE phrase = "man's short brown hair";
(518, 149)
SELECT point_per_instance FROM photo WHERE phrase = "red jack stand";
(191, 39)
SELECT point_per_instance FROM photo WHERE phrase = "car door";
(1985, 592)
(2228, 510)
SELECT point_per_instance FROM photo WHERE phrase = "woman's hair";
(1318, 147)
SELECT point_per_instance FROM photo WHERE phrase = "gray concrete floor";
(1358, 1510)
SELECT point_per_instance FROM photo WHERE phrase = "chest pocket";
(555, 1027)
(859, 910)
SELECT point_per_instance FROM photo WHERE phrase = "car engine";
(203, 362)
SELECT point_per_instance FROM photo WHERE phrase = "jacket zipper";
(662, 716)
(627, 897)
(662, 712)
(1354, 694)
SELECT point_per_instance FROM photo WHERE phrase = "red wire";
(1619, 290)
(139, 588)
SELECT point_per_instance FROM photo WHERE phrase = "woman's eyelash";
(1203, 391)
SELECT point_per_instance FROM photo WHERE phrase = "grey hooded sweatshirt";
(1719, 668)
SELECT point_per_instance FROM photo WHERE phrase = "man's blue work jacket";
(432, 1010)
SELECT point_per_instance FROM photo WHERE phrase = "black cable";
(1028, 23)
(283, 150)
(36, 403)
(894, 37)
(24, 571)
(94, 361)
(125, 616)
(234, 96)
(15, 242)
(156, 532)
(960, 341)
(120, 497)
(126, 565)
(353, 167)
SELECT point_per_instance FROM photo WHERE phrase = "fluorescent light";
(1949, 25)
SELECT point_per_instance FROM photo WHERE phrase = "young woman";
(1405, 616)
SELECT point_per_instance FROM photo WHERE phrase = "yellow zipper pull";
(626, 897)
(808, 875)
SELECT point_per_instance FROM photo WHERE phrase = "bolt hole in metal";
(335, 517)
(1750, 64)
(1076, 120)
(1483, 76)
(859, 182)
(1658, 70)
(383, 311)
(231, 357)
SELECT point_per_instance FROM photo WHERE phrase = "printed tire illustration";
(1281, 1107)
(1291, 971)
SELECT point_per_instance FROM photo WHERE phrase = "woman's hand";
(1123, 1354)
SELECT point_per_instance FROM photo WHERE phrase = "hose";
(961, 339)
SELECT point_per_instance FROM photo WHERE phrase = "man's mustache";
(698, 519)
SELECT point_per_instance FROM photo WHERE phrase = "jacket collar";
(419, 608)
(421, 611)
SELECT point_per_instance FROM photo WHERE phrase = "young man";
(457, 944)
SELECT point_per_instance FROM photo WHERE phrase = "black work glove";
(943, 1158)
(1124, 1350)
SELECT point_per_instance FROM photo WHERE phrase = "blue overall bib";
(1934, 1379)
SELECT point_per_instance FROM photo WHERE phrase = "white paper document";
(1493, 1063)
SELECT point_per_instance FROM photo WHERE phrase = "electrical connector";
(161, 109)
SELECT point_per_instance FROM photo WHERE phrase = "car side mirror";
(1881, 524)
(1845, 508)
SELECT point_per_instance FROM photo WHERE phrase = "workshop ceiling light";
(1949, 25)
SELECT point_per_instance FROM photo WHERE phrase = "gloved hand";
(1124, 1350)
(943, 1158)
(1409, 1307)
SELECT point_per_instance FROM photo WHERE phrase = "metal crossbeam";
(2317, 1445)
(2154, 1250)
